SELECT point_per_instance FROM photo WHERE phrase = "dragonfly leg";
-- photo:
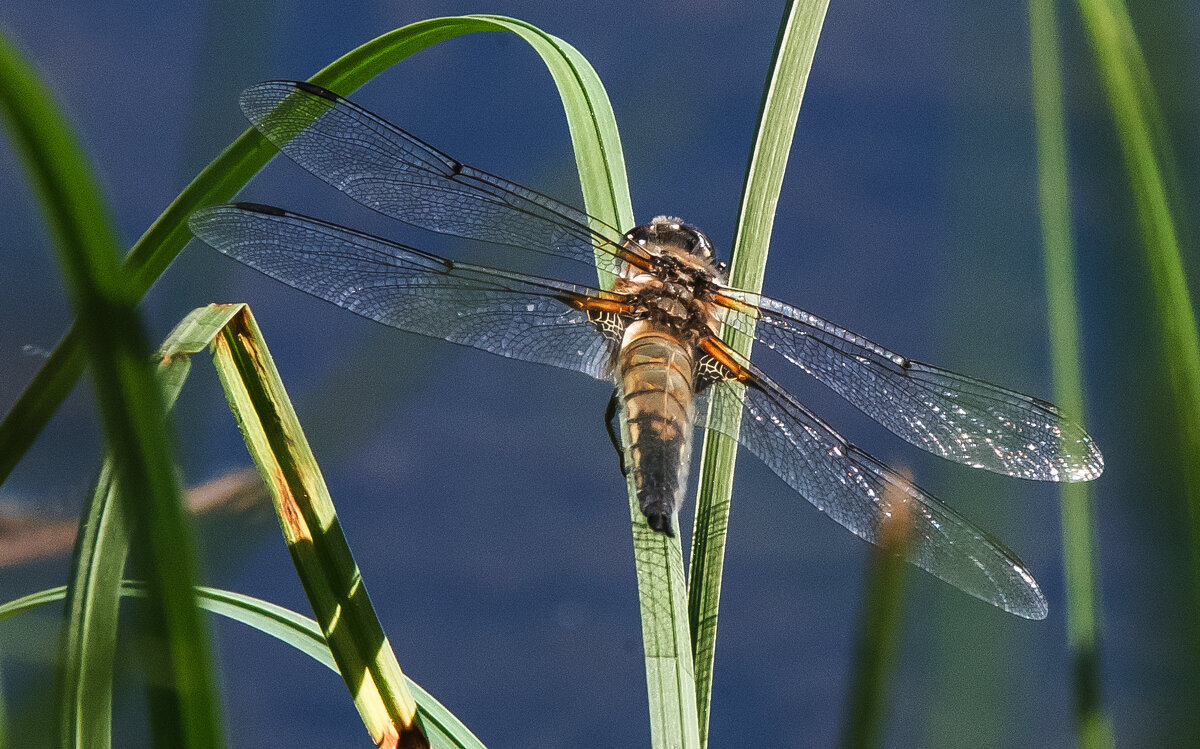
(614, 430)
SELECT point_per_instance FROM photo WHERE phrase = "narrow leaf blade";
(1093, 726)
(783, 92)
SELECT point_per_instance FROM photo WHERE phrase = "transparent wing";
(397, 174)
(857, 491)
(957, 417)
(510, 314)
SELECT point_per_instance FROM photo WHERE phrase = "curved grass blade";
(183, 704)
(593, 132)
(782, 94)
(1148, 161)
(304, 634)
(285, 625)
(1093, 727)
(662, 585)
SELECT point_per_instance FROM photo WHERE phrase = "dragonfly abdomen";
(657, 387)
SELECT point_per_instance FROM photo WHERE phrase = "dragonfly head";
(672, 234)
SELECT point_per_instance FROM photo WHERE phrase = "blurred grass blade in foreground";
(1093, 726)
(1148, 158)
(88, 643)
(880, 627)
(175, 656)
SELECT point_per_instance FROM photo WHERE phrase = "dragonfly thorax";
(683, 307)
(676, 290)
(685, 251)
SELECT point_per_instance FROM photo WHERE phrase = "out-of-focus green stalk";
(1148, 159)
(1093, 726)
(175, 646)
(783, 91)
(879, 631)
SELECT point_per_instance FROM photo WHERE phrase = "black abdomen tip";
(660, 522)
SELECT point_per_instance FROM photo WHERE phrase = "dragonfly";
(655, 334)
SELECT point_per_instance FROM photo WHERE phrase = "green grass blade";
(602, 176)
(879, 632)
(782, 94)
(324, 563)
(89, 637)
(662, 586)
(285, 625)
(1093, 727)
(183, 704)
(1148, 161)
(662, 597)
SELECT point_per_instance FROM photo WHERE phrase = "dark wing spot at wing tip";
(753, 381)
(270, 210)
(316, 90)
(1044, 405)
(456, 168)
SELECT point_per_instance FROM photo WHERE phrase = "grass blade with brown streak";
(324, 563)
